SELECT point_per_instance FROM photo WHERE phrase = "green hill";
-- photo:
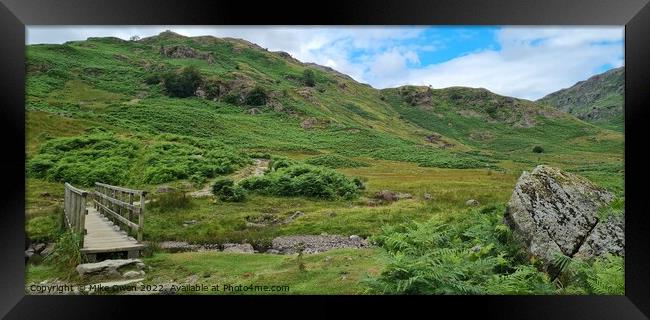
(598, 100)
(115, 88)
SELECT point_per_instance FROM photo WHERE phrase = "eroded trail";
(256, 169)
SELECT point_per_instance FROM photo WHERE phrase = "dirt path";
(256, 169)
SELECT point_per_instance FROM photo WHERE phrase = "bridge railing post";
(141, 216)
(82, 216)
(74, 210)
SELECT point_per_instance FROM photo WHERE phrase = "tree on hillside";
(308, 78)
(256, 97)
(182, 84)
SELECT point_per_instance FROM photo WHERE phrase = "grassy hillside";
(598, 100)
(105, 84)
(117, 111)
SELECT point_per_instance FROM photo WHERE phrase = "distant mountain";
(598, 100)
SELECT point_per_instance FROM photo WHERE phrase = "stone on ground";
(238, 248)
(316, 244)
(107, 267)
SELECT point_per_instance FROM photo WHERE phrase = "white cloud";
(531, 61)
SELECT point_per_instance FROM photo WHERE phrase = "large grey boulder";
(607, 237)
(557, 212)
(108, 267)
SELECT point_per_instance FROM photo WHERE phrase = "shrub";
(303, 180)
(492, 111)
(85, 159)
(232, 98)
(211, 86)
(256, 183)
(171, 200)
(173, 160)
(538, 149)
(360, 185)
(66, 254)
(260, 155)
(234, 193)
(198, 179)
(39, 166)
(227, 190)
(280, 163)
(256, 97)
(220, 184)
(153, 79)
(182, 83)
(157, 175)
(308, 78)
(103, 157)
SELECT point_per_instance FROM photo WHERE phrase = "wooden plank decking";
(104, 236)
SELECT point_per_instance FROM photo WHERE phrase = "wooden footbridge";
(110, 218)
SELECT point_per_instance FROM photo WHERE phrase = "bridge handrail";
(117, 203)
(75, 209)
(122, 189)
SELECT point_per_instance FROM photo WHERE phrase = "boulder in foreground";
(557, 212)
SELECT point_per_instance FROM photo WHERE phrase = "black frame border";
(634, 14)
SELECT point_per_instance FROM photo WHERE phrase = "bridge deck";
(103, 236)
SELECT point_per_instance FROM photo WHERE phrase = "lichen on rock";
(555, 212)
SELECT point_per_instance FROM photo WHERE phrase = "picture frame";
(635, 15)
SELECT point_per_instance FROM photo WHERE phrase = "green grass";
(333, 272)
(335, 161)
(338, 271)
(226, 221)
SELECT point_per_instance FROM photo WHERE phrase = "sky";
(520, 61)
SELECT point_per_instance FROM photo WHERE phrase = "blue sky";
(523, 61)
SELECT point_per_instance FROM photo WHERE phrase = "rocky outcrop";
(557, 212)
(181, 52)
(309, 123)
(36, 252)
(329, 70)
